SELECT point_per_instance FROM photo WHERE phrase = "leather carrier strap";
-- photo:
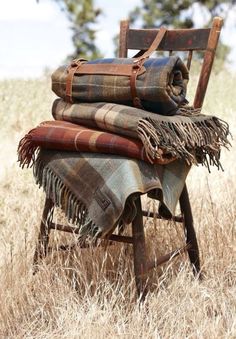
(138, 63)
(107, 69)
(74, 66)
(79, 66)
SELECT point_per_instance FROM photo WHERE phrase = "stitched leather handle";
(156, 42)
(107, 69)
(132, 70)
(138, 63)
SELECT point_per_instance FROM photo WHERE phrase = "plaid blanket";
(63, 135)
(161, 88)
(88, 186)
(196, 138)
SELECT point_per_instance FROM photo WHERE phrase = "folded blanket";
(161, 86)
(195, 139)
(96, 190)
(62, 135)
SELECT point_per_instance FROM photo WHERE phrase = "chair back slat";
(182, 40)
(176, 39)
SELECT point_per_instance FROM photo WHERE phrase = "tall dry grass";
(91, 293)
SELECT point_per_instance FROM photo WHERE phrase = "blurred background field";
(91, 293)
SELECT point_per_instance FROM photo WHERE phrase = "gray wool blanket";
(96, 190)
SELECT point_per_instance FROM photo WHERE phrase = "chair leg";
(140, 256)
(191, 238)
(43, 238)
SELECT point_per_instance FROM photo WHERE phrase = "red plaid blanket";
(63, 135)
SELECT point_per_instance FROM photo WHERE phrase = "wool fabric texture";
(193, 138)
(97, 190)
(63, 135)
(161, 88)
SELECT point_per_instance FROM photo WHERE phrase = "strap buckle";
(76, 63)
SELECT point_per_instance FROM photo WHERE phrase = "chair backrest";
(188, 40)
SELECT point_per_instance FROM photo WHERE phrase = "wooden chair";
(184, 40)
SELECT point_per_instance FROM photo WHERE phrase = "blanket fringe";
(55, 189)
(195, 142)
(188, 111)
(27, 150)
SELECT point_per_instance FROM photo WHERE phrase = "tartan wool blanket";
(88, 186)
(161, 86)
(194, 138)
(63, 135)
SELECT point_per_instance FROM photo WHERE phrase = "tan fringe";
(75, 211)
(188, 111)
(27, 150)
(196, 142)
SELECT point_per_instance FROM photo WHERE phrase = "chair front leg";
(191, 238)
(43, 238)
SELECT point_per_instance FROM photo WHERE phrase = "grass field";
(91, 293)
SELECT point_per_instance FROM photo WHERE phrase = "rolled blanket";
(161, 84)
(62, 135)
(96, 190)
(196, 139)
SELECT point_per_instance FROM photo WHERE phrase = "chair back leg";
(140, 255)
(190, 234)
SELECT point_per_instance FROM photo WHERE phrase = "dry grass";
(91, 293)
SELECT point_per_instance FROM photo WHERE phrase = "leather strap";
(74, 66)
(78, 66)
(138, 63)
(133, 77)
(108, 69)
(156, 42)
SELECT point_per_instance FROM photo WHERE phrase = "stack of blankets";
(99, 152)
